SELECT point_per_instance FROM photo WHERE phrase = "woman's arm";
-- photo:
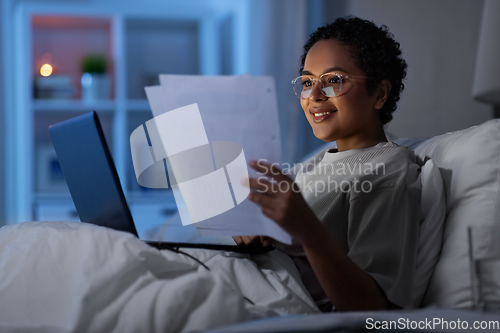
(347, 286)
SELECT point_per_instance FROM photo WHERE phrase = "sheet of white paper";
(239, 109)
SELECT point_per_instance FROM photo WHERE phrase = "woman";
(356, 221)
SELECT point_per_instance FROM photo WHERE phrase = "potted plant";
(96, 83)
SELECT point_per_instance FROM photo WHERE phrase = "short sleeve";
(383, 235)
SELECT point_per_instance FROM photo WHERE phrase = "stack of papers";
(205, 130)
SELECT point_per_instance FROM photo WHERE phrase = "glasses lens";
(331, 84)
(303, 86)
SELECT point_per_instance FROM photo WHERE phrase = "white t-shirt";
(369, 199)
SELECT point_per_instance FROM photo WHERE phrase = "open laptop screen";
(90, 172)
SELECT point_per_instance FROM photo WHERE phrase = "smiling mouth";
(319, 117)
(322, 113)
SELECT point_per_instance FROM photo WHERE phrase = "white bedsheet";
(76, 277)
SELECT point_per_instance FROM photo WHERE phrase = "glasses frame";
(314, 80)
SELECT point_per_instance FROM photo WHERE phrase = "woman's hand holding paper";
(280, 199)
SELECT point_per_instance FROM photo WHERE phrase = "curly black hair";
(374, 51)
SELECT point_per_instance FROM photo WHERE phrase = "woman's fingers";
(248, 240)
(262, 200)
(279, 199)
(270, 170)
(266, 241)
(262, 186)
(281, 182)
(238, 240)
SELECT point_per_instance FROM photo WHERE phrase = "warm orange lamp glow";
(46, 70)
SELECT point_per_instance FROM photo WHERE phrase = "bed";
(75, 277)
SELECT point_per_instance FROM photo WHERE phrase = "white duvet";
(76, 277)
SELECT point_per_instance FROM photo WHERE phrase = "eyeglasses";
(330, 84)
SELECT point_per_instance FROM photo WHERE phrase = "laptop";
(94, 184)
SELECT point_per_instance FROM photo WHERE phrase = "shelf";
(79, 106)
(138, 105)
(72, 105)
(140, 43)
(64, 41)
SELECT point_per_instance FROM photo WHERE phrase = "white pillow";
(469, 161)
(430, 238)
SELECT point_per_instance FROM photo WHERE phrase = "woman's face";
(352, 118)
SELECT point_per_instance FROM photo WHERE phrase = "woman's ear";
(383, 90)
